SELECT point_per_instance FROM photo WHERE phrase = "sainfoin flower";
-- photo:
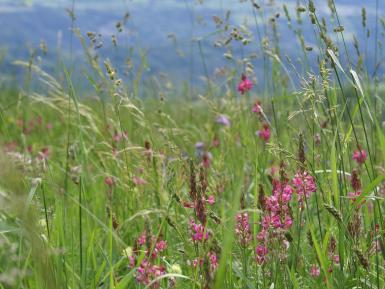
(211, 200)
(242, 229)
(109, 181)
(257, 108)
(304, 185)
(148, 271)
(315, 271)
(206, 159)
(245, 85)
(213, 260)
(198, 232)
(138, 181)
(276, 220)
(44, 154)
(261, 252)
(264, 133)
(360, 156)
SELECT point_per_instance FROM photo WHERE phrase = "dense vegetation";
(150, 184)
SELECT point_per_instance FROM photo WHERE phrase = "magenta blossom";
(336, 259)
(148, 272)
(257, 108)
(198, 232)
(245, 85)
(261, 253)
(360, 156)
(211, 200)
(304, 185)
(264, 133)
(161, 245)
(242, 229)
(354, 195)
(213, 260)
(315, 271)
(206, 159)
(109, 181)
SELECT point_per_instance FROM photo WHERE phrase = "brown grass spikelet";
(361, 257)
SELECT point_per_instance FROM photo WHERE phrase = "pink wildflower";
(257, 108)
(354, 195)
(147, 272)
(336, 259)
(304, 185)
(261, 252)
(211, 200)
(197, 262)
(138, 181)
(198, 232)
(116, 138)
(264, 133)
(142, 239)
(242, 229)
(206, 159)
(213, 260)
(315, 271)
(245, 84)
(161, 245)
(44, 154)
(262, 235)
(359, 156)
(109, 181)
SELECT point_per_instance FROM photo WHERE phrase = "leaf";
(358, 84)
(123, 284)
(369, 189)
(321, 256)
(31, 194)
(333, 164)
(335, 59)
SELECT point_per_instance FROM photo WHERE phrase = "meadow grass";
(210, 188)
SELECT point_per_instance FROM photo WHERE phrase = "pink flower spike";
(359, 156)
(138, 181)
(257, 108)
(315, 271)
(142, 239)
(242, 229)
(161, 245)
(198, 232)
(109, 181)
(304, 185)
(211, 200)
(245, 85)
(213, 260)
(261, 252)
(264, 133)
(44, 154)
(336, 259)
